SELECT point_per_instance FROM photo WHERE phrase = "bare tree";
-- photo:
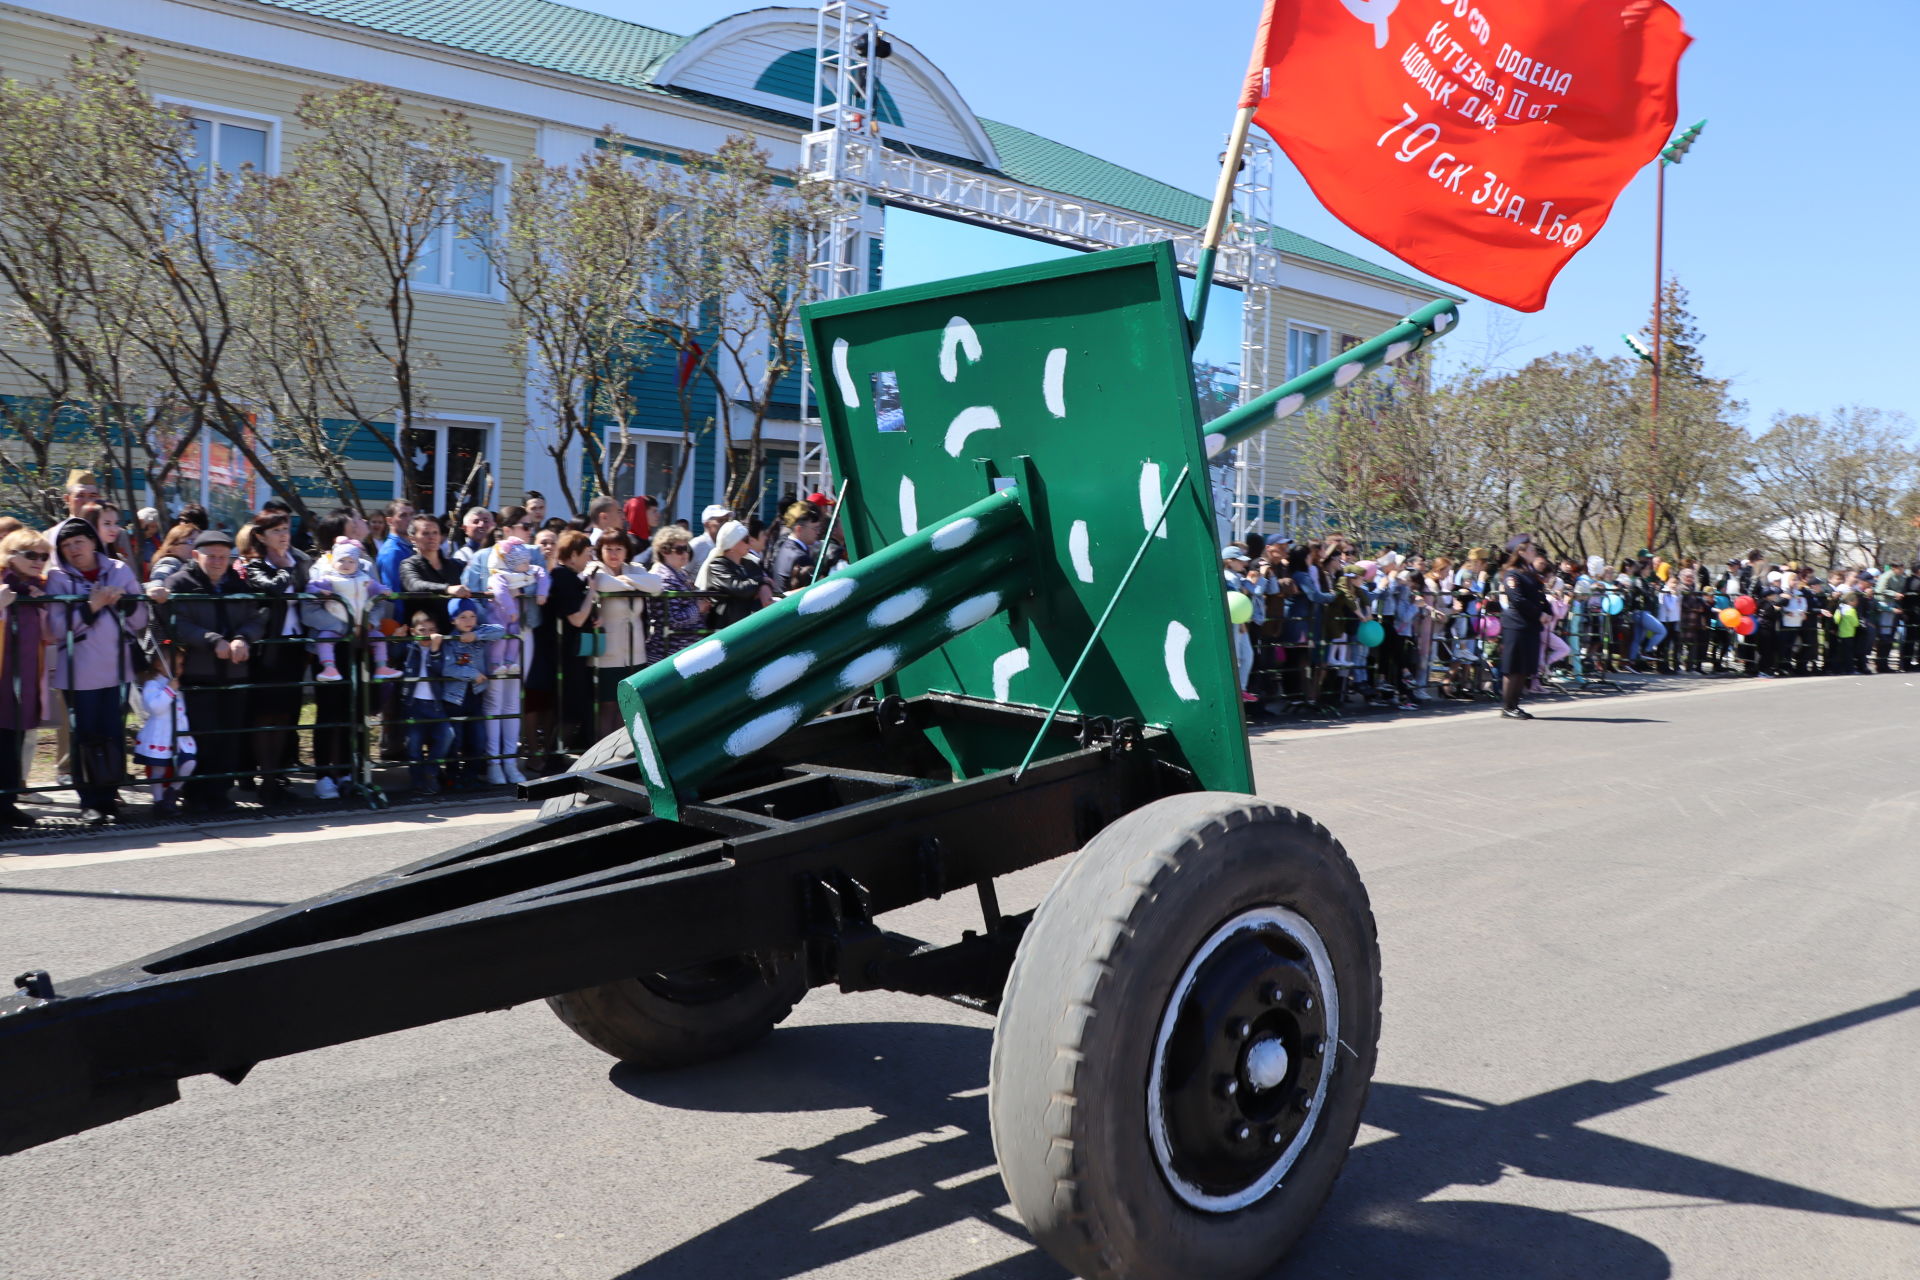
(752, 228)
(392, 192)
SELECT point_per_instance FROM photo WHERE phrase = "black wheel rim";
(1243, 1059)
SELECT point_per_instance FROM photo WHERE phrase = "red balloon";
(1747, 626)
(1745, 604)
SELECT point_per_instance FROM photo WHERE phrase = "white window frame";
(219, 115)
(1326, 346)
(642, 437)
(502, 184)
(441, 480)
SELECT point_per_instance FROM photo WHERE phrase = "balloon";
(1369, 634)
(1730, 618)
(1239, 608)
(1490, 627)
(1747, 626)
(1745, 604)
(1613, 604)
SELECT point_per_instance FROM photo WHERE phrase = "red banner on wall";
(1483, 141)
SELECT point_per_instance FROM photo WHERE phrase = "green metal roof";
(594, 46)
(538, 33)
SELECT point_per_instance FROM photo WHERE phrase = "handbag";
(593, 644)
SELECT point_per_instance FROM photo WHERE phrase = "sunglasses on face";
(32, 555)
(665, 551)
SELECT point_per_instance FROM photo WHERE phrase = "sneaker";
(1515, 714)
(512, 769)
(326, 789)
(1249, 697)
(385, 673)
(63, 780)
(95, 817)
(328, 674)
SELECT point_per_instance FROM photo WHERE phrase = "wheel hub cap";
(1241, 1063)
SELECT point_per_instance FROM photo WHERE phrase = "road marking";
(312, 831)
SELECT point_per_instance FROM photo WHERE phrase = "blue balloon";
(1614, 603)
(1369, 634)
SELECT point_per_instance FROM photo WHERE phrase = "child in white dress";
(163, 745)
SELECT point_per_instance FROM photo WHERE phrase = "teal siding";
(705, 490)
(876, 252)
(791, 76)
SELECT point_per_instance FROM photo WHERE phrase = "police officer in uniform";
(1523, 611)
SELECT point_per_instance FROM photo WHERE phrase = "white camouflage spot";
(978, 418)
(909, 507)
(1151, 499)
(849, 393)
(1289, 405)
(973, 611)
(762, 730)
(822, 596)
(958, 336)
(897, 609)
(1215, 443)
(1398, 351)
(956, 534)
(1177, 639)
(1005, 668)
(704, 656)
(1078, 551)
(869, 668)
(778, 674)
(643, 748)
(1348, 372)
(1053, 385)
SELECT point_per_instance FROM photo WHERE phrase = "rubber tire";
(612, 749)
(637, 1023)
(1078, 1024)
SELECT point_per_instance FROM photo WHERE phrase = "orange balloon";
(1730, 617)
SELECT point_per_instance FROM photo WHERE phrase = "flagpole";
(1252, 89)
(1217, 219)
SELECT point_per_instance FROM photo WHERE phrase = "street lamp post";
(1670, 154)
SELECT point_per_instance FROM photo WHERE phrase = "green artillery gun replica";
(1187, 1021)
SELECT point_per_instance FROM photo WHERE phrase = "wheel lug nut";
(1305, 1002)
(1313, 1045)
(1236, 1029)
(1228, 1086)
(1272, 994)
(1275, 1137)
(1240, 1133)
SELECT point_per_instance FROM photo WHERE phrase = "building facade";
(536, 78)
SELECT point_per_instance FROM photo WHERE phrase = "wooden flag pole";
(1252, 90)
(1217, 219)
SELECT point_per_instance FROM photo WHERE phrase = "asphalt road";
(1651, 1010)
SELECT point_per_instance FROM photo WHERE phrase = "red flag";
(690, 356)
(1483, 141)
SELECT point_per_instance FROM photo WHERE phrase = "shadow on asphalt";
(926, 1162)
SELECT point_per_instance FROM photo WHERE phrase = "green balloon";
(1239, 608)
(1369, 634)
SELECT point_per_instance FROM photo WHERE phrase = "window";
(450, 464)
(654, 462)
(1306, 348)
(212, 471)
(226, 145)
(455, 262)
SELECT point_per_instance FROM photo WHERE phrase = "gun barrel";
(1287, 399)
(698, 713)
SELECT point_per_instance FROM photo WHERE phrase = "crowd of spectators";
(475, 651)
(1328, 624)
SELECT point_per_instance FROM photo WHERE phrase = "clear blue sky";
(1789, 222)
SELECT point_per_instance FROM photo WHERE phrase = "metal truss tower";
(840, 153)
(1252, 231)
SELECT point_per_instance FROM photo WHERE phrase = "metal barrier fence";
(465, 734)
(1309, 662)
